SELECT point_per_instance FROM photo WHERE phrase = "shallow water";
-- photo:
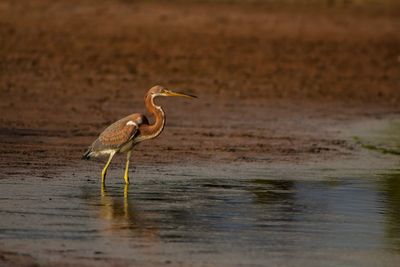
(204, 220)
(340, 213)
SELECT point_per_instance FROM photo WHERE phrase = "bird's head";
(159, 90)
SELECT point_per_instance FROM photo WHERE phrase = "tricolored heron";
(124, 134)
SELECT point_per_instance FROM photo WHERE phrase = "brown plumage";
(118, 133)
(124, 134)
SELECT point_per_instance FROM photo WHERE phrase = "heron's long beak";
(170, 93)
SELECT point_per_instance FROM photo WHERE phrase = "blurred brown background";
(68, 68)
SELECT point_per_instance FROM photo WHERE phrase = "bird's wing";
(119, 133)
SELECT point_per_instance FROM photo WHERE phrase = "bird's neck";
(156, 128)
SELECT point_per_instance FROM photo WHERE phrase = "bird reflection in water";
(125, 219)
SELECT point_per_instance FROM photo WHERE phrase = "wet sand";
(262, 168)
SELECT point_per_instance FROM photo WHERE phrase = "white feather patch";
(131, 123)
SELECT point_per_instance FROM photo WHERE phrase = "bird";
(123, 135)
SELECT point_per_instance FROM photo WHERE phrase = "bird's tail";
(87, 153)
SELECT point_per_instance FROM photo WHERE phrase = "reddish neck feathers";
(156, 128)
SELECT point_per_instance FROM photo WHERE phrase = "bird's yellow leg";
(126, 203)
(126, 175)
(104, 172)
(126, 192)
